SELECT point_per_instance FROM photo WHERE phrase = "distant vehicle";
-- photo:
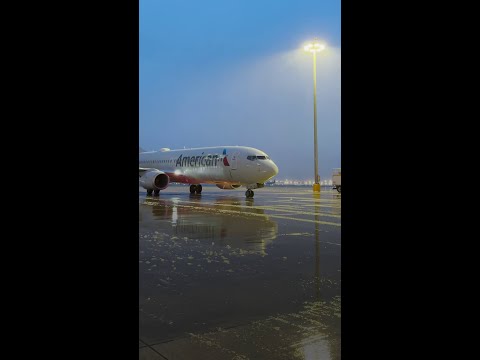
(337, 179)
(270, 183)
(228, 167)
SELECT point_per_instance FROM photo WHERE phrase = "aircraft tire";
(198, 189)
(193, 188)
(149, 192)
(339, 188)
(156, 192)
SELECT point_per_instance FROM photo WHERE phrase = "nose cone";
(272, 169)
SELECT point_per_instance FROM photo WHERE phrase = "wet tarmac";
(225, 277)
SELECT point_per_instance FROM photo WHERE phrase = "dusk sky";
(234, 72)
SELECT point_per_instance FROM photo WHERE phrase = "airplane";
(228, 167)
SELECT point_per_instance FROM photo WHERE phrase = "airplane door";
(234, 161)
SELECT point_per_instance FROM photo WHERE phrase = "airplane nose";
(267, 169)
(273, 169)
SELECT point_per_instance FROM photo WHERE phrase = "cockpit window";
(257, 157)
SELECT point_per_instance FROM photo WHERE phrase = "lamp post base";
(316, 187)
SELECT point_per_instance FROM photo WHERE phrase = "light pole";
(314, 47)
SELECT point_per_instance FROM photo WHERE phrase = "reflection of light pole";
(314, 47)
(316, 199)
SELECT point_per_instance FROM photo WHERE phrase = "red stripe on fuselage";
(183, 179)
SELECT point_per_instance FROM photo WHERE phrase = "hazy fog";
(195, 90)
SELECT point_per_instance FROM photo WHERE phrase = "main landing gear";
(195, 189)
(249, 193)
(156, 193)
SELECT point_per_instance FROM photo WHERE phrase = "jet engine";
(227, 186)
(154, 180)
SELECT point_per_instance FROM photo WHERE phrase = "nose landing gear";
(195, 189)
(249, 193)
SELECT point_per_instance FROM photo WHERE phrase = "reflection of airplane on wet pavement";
(228, 167)
(223, 222)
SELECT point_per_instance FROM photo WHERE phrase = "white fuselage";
(224, 165)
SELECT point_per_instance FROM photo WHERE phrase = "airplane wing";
(142, 171)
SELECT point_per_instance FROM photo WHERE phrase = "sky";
(234, 72)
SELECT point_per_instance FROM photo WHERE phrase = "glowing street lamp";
(314, 47)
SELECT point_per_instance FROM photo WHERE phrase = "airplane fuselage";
(224, 166)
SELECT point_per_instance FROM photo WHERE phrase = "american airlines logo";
(205, 160)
